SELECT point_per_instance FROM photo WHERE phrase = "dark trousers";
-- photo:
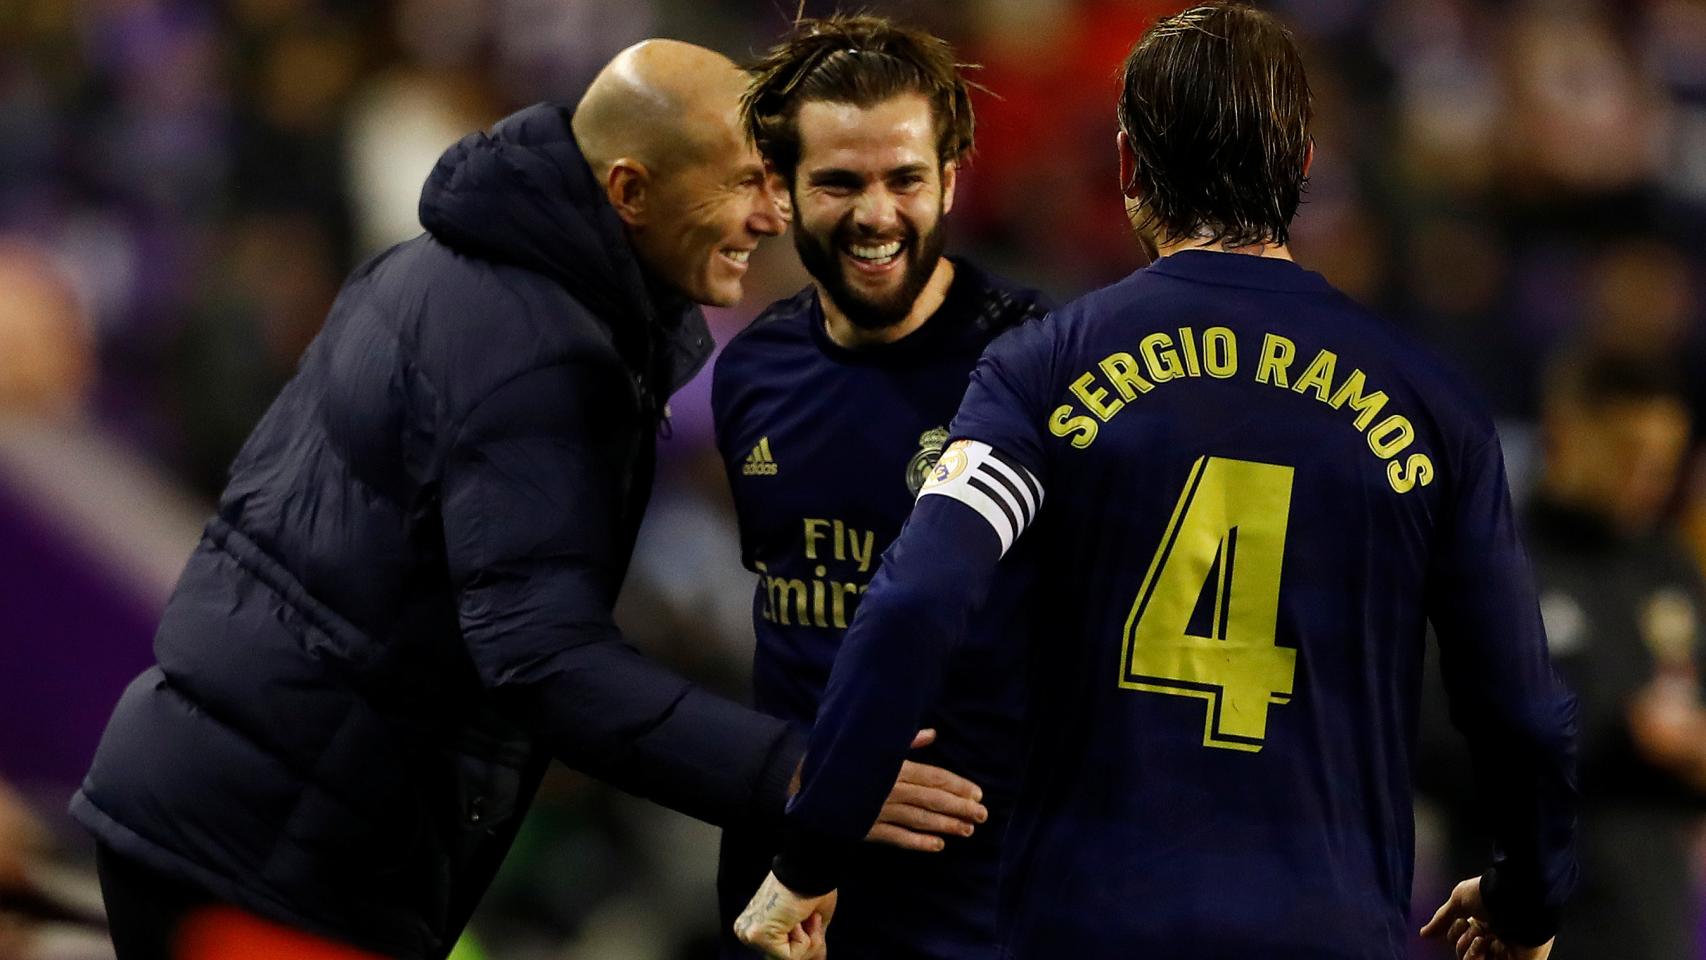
(144, 908)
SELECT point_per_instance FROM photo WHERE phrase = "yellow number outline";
(1231, 520)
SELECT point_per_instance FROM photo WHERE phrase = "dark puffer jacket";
(402, 609)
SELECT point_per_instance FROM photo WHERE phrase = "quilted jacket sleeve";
(532, 504)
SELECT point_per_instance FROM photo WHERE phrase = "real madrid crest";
(930, 446)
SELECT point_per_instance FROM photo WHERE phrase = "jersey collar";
(1240, 270)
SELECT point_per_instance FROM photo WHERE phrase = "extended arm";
(532, 505)
(1519, 720)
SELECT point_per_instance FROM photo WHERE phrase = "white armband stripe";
(1002, 492)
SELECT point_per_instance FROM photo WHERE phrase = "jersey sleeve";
(978, 500)
(1006, 405)
(1506, 699)
(886, 674)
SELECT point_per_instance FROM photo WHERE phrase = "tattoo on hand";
(749, 918)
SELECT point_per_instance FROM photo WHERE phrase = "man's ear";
(628, 186)
(1309, 157)
(1140, 226)
(1128, 167)
(950, 178)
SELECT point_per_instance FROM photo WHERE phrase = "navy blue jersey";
(825, 449)
(1249, 497)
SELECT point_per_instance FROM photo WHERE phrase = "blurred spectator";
(45, 913)
(1572, 82)
(397, 128)
(272, 278)
(1623, 605)
(1641, 300)
(439, 87)
(46, 365)
(23, 841)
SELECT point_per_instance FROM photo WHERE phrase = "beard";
(822, 259)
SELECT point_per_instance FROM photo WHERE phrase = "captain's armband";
(1002, 492)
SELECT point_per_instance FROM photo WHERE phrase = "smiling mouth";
(738, 256)
(874, 255)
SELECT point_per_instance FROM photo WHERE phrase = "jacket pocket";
(491, 758)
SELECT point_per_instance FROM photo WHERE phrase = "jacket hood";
(524, 195)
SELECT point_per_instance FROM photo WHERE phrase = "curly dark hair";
(1216, 105)
(858, 59)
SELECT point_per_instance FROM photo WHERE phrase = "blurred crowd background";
(184, 184)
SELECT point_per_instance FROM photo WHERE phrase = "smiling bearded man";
(873, 266)
(832, 408)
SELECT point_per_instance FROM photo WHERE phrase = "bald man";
(402, 611)
(658, 130)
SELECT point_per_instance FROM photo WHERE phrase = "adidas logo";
(758, 462)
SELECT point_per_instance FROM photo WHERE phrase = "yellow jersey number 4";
(1230, 524)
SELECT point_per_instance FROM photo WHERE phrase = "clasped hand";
(1462, 920)
(926, 805)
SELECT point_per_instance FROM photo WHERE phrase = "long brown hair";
(1216, 105)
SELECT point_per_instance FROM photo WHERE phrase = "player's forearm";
(876, 699)
(1524, 749)
(1508, 701)
(885, 676)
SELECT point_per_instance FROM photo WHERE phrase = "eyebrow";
(844, 175)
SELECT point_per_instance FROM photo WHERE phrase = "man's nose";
(779, 195)
(773, 211)
(876, 211)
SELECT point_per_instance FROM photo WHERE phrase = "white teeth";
(880, 251)
(738, 256)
